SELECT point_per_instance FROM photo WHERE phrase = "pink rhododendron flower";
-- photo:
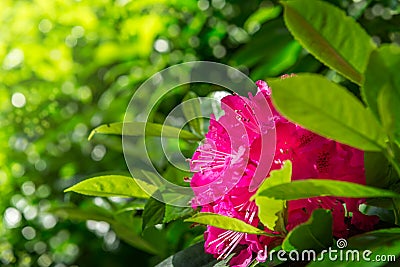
(234, 149)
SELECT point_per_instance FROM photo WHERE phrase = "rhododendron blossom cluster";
(233, 154)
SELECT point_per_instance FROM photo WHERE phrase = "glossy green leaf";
(331, 36)
(286, 57)
(381, 89)
(138, 128)
(384, 242)
(225, 222)
(109, 186)
(321, 187)
(327, 109)
(153, 213)
(315, 234)
(389, 111)
(382, 71)
(272, 212)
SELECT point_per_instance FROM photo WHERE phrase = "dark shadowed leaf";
(315, 234)
(384, 243)
(153, 213)
(193, 256)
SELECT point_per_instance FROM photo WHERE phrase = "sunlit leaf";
(320, 187)
(259, 17)
(140, 128)
(328, 109)
(225, 222)
(272, 211)
(382, 69)
(331, 36)
(109, 186)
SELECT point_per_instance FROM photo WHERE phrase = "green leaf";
(382, 71)
(283, 51)
(378, 171)
(320, 187)
(389, 111)
(192, 111)
(331, 36)
(327, 109)
(193, 256)
(153, 213)
(75, 213)
(260, 16)
(315, 234)
(109, 186)
(286, 57)
(381, 88)
(173, 213)
(123, 231)
(225, 222)
(382, 242)
(271, 211)
(138, 128)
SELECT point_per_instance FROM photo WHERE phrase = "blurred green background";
(68, 66)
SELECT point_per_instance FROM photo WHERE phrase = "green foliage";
(173, 213)
(109, 186)
(272, 212)
(379, 242)
(125, 229)
(193, 256)
(316, 233)
(225, 222)
(192, 112)
(329, 110)
(381, 87)
(143, 129)
(321, 187)
(331, 36)
(153, 213)
(378, 171)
